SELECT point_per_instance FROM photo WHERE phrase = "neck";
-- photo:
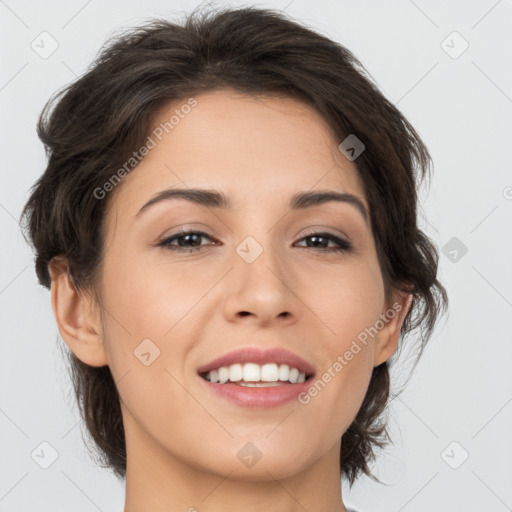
(158, 481)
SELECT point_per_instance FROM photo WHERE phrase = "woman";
(227, 223)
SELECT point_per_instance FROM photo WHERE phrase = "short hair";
(91, 127)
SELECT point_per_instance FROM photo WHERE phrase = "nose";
(261, 291)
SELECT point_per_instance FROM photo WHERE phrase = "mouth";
(256, 378)
(256, 375)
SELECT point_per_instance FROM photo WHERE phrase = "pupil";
(316, 238)
(183, 240)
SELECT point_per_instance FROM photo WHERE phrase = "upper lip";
(259, 356)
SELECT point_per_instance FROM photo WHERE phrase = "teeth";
(223, 374)
(236, 372)
(258, 375)
(260, 384)
(251, 372)
(269, 373)
(284, 372)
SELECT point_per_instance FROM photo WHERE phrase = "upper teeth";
(252, 372)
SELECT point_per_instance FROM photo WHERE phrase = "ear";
(386, 340)
(77, 316)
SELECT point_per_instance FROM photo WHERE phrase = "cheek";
(148, 297)
(347, 301)
(152, 307)
(338, 391)
(147, 316)
(349, 311)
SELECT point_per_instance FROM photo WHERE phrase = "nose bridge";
(259, 265)
(258, 283)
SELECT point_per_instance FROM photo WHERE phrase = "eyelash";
(343, 245)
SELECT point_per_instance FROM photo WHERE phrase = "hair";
(92, 126)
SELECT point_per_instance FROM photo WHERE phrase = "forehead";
(260, 149)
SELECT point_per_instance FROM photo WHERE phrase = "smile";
(256, 375)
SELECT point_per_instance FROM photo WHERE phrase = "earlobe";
(386, 341)
(77, 316)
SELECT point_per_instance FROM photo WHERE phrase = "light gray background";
(462, 388)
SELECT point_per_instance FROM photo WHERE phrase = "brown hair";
(104, 115)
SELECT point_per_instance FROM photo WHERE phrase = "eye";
(191, 241)
(319, 240)
(186, 241)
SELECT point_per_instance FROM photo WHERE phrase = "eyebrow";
(216, 199)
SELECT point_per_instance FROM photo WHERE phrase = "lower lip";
(254, 397)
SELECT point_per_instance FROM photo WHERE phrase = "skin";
(182, 441)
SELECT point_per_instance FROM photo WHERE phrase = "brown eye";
(191, 241)
(321, 240)
(185, 240)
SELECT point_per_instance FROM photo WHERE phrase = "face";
(257, 274)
